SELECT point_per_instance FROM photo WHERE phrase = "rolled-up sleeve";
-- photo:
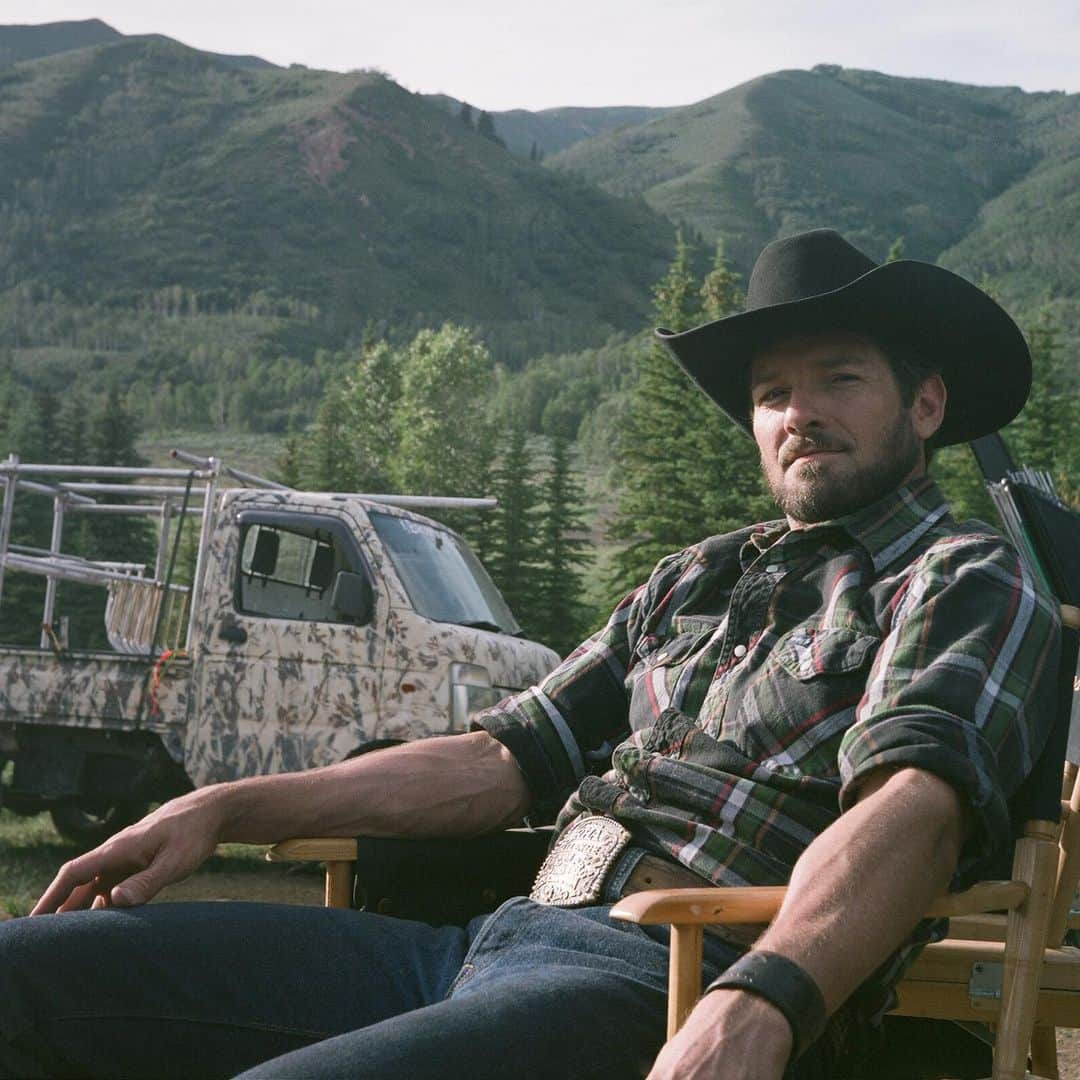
(962, 685)
(569, 723)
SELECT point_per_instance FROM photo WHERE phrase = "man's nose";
(803, 412)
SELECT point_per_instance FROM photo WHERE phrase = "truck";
(315, 626)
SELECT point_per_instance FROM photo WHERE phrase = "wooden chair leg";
(1036, 861)
(1044, 1052)
(684, 974)
(339, 884)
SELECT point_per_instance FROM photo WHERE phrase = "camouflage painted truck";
(315, 626)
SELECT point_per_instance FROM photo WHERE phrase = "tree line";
(437, 415)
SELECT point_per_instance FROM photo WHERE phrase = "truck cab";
(329, 623)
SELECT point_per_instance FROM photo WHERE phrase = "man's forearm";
(859, 889)
(456, 785)
(854, 897)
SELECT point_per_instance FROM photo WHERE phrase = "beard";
(817, 497)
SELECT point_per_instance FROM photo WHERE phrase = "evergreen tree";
(896, 250)
(734, 492)
(485, 126)
(289, 461)
(23, 597)
(660, 507)
(1044, 435)
(561, 618)
(327, 459)
(111, 435)
(465, 115)
(512, 535)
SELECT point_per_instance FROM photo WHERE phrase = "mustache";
(796, 448)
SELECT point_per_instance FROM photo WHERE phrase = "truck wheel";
(88, 824)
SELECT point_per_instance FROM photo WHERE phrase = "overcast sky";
(504, 54)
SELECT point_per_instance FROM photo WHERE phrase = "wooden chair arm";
(320, 849)
(759, 904)
(338, 852)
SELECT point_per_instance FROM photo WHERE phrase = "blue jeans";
(213, 989)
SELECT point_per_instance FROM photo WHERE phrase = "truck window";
(444, 579)
(288, 572)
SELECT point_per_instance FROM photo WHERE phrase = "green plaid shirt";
(729, 708)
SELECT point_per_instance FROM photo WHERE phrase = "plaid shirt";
(737, 699)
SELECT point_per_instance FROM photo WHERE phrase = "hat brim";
(952, 324)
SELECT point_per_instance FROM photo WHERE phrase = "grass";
(31, 852)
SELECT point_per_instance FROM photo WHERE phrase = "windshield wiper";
(483, 624)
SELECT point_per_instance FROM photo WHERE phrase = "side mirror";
(353, 597)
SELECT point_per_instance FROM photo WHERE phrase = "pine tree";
(733, 491)
(23, 597)
(561, 617)
(511, 531)
(485, 126)
(327, 460)
(660, 506)
(465, 115)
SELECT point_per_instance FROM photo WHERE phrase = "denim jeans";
(213, 989)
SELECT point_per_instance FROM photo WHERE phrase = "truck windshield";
(444, 579)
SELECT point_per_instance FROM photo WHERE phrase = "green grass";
(31, 852)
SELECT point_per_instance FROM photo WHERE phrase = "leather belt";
(585, 858)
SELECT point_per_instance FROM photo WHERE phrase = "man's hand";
(137, 863)
(730, 1035)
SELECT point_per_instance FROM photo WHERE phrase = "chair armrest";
(320, 849)
(760, 903)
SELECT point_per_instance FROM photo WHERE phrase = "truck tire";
(89, 824)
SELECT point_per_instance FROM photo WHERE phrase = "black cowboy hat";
(817, 281)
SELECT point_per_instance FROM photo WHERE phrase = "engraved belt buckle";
(578, 864)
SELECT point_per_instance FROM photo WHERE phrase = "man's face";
(832, 429)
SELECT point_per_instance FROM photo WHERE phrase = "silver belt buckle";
(579, 862)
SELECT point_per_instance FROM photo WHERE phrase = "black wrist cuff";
(784, 984)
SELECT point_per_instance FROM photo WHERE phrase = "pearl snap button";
(739, 651)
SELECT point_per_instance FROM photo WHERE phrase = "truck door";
(288, 660)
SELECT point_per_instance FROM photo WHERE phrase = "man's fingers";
(143, 886)
(71, 877)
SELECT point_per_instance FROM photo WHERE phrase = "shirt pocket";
(792, 718)
(653, 684)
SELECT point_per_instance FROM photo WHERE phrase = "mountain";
(984, 179)
(46, 39)
(31, 42)
(548, 131)
(141, 165)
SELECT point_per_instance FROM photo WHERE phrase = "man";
(845, 698)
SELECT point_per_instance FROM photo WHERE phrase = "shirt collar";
(887, 528)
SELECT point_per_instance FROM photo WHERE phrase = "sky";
(505, 54)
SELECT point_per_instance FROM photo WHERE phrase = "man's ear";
(928, 407)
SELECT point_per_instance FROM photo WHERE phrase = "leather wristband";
(784, 984)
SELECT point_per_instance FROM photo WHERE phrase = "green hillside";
(551, 130)
(143, 165)
(31, 42)
(47, 39)
(985, 180)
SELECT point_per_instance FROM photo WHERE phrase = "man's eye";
(845, 376)
(773, 394)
